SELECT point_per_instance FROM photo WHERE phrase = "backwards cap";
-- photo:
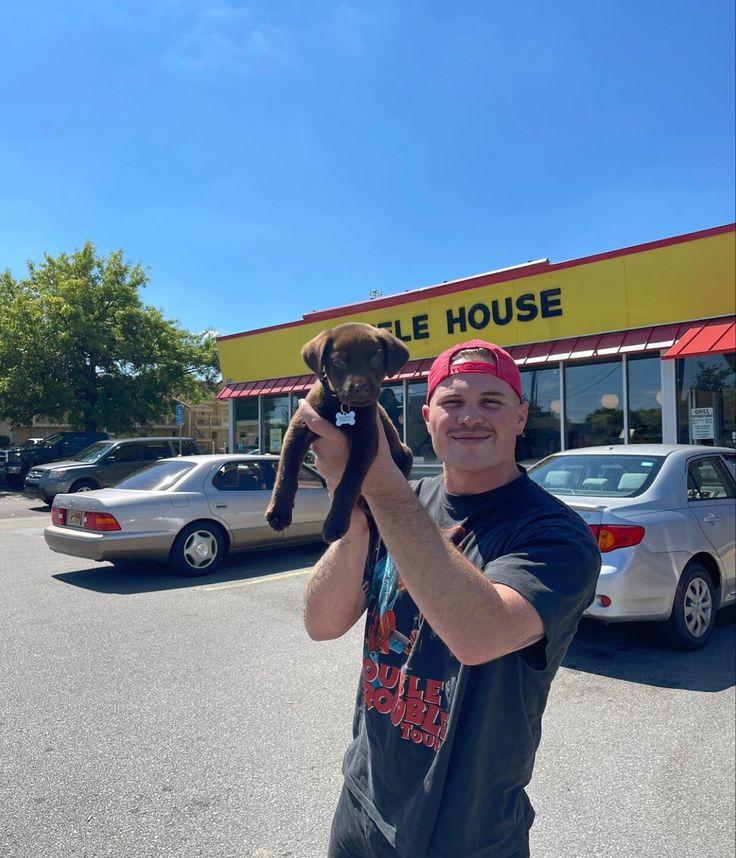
(503, 368)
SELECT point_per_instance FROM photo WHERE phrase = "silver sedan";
(665, 519)
(191, 512)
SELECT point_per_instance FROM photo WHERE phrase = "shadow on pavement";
(634, 652)
(149, 577)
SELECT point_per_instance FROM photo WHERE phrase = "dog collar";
(345, 416)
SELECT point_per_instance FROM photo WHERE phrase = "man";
(473, 594)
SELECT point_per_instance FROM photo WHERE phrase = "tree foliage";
(78, 345)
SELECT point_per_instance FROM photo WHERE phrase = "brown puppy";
(350, 361)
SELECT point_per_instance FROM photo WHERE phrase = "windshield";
(157, 477)
(620, 476)
(51, 440)
(93, 453)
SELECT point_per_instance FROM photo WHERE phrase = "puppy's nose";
(359, 387)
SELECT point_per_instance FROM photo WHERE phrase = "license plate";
(74, 517)
(13, 469)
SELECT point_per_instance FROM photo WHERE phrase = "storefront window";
(417, 436)
(706, 400)
(392, 399)
(645, 399)
(542, 434)
(246, 425)
(594, 404)
(275, 421)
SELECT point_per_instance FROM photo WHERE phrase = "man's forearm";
(334, 599)
(463, 607)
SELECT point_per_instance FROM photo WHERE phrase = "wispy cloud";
(347, 26)
(223, 36)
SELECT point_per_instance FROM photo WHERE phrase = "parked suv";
(60, 445)
(102, 464)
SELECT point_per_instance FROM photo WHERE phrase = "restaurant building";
(630, 346)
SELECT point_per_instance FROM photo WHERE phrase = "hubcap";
(698, 607)
(200, 549)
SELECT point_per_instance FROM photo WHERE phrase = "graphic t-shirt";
(441, 751)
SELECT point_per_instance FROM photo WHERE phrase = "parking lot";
(147, 715)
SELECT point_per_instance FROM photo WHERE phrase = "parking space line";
(263, 579)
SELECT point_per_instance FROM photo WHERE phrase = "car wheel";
(693, 614)
(198, 550)
(84, 486)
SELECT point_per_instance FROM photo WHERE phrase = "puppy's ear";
(397, 354)
(313, 352)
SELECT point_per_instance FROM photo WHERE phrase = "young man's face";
(474, 420)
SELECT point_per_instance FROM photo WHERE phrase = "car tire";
(693, 616)
(83, 486)
(198, 550)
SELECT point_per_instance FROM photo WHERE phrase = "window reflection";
(246, 425)
(645, 399)
(275, 421)
(542, 433)
(594, 404)
(706, 400)
(392, 399)
(417, 436)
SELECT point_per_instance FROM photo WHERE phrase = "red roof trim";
(490, 278)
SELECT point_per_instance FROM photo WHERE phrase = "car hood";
(66, 463)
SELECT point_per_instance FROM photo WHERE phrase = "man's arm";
(333, 596)
(478, 619)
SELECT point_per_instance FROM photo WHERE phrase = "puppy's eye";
(338, 363)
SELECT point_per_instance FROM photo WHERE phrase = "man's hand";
(331, 448)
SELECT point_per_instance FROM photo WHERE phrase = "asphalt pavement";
(148, 716)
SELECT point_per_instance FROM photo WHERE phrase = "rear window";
(621, 476)
(156, 477)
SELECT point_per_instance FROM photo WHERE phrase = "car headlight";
(57, 474)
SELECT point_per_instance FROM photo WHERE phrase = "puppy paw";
(335, 527)
(278, 517)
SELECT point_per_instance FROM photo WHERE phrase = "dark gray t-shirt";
(442, 751)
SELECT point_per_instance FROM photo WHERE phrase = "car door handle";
(710, 518)
(220, 506)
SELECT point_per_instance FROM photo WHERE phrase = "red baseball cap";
(503, 368)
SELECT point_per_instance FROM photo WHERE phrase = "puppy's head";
(355, 358)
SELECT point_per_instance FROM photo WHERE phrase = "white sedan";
(190, 511)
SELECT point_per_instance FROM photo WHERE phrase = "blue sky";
(265, 159)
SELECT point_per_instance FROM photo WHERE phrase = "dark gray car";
(102, 464)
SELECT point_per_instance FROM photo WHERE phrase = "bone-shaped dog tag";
(345, 418)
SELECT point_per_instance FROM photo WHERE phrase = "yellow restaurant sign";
(673, 280)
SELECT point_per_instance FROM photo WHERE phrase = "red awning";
(708, 336)
(713, 337)
(649, 339)
(287, 384)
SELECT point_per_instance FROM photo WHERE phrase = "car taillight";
(611, 536)
(99, 521)
(58, 515)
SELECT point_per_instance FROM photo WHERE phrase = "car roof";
(142, 439)
(223, 458)
(643, 450)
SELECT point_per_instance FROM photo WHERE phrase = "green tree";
(77, 344)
